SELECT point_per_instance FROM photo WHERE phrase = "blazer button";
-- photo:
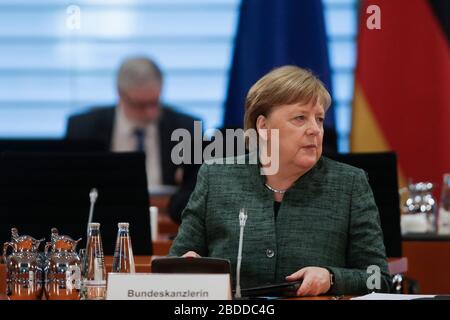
(270, 253)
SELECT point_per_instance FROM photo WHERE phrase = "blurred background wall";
(50, 67)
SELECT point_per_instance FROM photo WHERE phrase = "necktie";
(140, 139)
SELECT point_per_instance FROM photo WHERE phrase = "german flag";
(402, 85)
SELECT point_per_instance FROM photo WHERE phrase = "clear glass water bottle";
(94, 271)
(123, 261)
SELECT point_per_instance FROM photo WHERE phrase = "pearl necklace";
(273, 189)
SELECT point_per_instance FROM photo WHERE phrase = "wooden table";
(4, 297)
(428, 257)
(143, 265)
(429, 263)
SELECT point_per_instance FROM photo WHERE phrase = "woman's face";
(300, 133)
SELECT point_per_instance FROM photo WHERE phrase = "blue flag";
(272, 33)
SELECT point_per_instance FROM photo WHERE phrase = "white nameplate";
(165, 286)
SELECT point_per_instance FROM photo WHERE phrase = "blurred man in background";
(139, 121)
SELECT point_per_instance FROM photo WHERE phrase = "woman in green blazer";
(310, 219)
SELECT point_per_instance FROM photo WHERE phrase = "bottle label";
(94, 283)
(98, 268)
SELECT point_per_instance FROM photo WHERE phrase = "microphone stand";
(242, 220)
(93, 195)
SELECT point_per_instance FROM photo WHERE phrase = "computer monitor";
(51, 145)
(191, 265)
(381, 169)
(39, 191)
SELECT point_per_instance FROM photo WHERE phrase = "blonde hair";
(283, 85)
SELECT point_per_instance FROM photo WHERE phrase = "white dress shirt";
(125, 140)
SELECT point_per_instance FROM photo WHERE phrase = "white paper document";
(386, 296)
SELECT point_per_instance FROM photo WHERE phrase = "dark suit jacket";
(97, 124)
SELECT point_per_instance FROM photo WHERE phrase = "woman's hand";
(316, 281)
(191, 254)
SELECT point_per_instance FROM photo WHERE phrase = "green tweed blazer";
(328, 218)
